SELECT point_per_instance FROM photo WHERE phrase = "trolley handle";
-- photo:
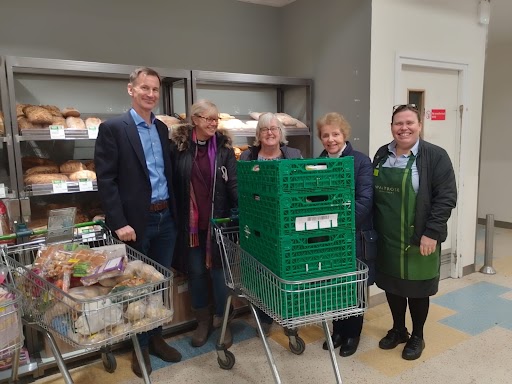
(25, 232)
(225, 220)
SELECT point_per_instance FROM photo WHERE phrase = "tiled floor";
(468, 341)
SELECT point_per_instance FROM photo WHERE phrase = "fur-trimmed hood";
(181, 135)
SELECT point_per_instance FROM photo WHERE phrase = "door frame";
(456, 267)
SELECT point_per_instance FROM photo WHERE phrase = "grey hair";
(264, 121)
(146, 71)
(203, 107)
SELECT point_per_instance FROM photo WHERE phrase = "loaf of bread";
(286, 119)
(41, 169)
(256, 115)
(92, 122)
(19, 110)
(71, 166)
(23, 123)
(89, 164)
(168, 120)
(85, 174)
(75, 122)
(54, 110)
(59, 121)
(225, 116)
(70, 112)
(45, 178)
(34, 161)
(38, 115)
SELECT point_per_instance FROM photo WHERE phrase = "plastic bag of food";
(107, 270)
(98, 315)
(155, 308)
(135, 310)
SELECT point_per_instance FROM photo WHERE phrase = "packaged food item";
(135, 310)
(108, 269)
(4, 220)
(98, 315)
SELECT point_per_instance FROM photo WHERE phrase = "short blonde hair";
(203, 107)
(264, 121)
(336, 119)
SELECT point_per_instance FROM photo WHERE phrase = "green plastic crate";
(288, 301)
(298, 175)
(292, 213)
(302, 255)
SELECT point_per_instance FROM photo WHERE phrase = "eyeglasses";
(404, 106)
(209, 120)
(269, 129)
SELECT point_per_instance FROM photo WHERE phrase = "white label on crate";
(57, 132)
(309, 223)
(60, 186)
(88, 235)
(2, 191)
(85, 185)
(92, 132)
(183, 287)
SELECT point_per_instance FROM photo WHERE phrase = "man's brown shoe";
(135, 363)
(158, 347)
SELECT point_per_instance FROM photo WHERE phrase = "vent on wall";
(272, 3)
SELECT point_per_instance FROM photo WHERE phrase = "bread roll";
(71, 166)
(38, 115)
(70, 112)
(45, 179)
(75, 122)
(85, 174)
(89, 164)
(34, 161)
(41, 169)
(92, 122)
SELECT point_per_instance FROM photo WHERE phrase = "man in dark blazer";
(133, 168)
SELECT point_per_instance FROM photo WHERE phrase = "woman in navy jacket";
(333, 131)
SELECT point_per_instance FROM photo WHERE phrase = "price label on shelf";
(57, 132)
(85, 185)
(3, 192)
(92, 132)
(60, 186)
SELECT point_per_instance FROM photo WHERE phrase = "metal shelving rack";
(281, 84)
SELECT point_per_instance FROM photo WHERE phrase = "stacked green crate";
(297, 219)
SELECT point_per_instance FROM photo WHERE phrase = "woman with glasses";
(270, 142)
(204, 179)
(414, 194)
(333, 131)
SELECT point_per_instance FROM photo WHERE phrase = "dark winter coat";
(225, 195)
(363, 178)
(437, 194)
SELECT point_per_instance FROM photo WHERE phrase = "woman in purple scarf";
(204, 181)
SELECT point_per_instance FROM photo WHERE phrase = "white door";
(437, 92)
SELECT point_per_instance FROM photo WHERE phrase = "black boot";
(349, 346)
(336, 341)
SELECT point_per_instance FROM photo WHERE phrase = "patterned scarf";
(194, 212)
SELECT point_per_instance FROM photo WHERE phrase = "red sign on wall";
(438, 114)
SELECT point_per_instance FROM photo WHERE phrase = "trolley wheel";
(109, 362)
(229, 362)
(299, 347)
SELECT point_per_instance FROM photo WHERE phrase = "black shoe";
(349, 346)
(336, 341)
(393, 338)
(413, 348)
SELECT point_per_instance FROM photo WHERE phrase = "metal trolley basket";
(290, 303)
(11, 331)
(90, 324)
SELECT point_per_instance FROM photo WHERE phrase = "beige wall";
(496, 159)
(438, 30)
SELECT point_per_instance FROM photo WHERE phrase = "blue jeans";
(198, 279)
(158, 245)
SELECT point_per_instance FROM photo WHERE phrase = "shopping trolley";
(11, 331)
(95, 323)
(290, 303)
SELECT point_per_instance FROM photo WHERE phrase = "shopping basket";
(290, 303)
(94, 323)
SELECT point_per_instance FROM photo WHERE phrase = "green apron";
(395, 207)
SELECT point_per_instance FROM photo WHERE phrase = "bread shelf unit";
(239, 94)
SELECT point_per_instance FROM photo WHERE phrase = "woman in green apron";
(414, 194)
